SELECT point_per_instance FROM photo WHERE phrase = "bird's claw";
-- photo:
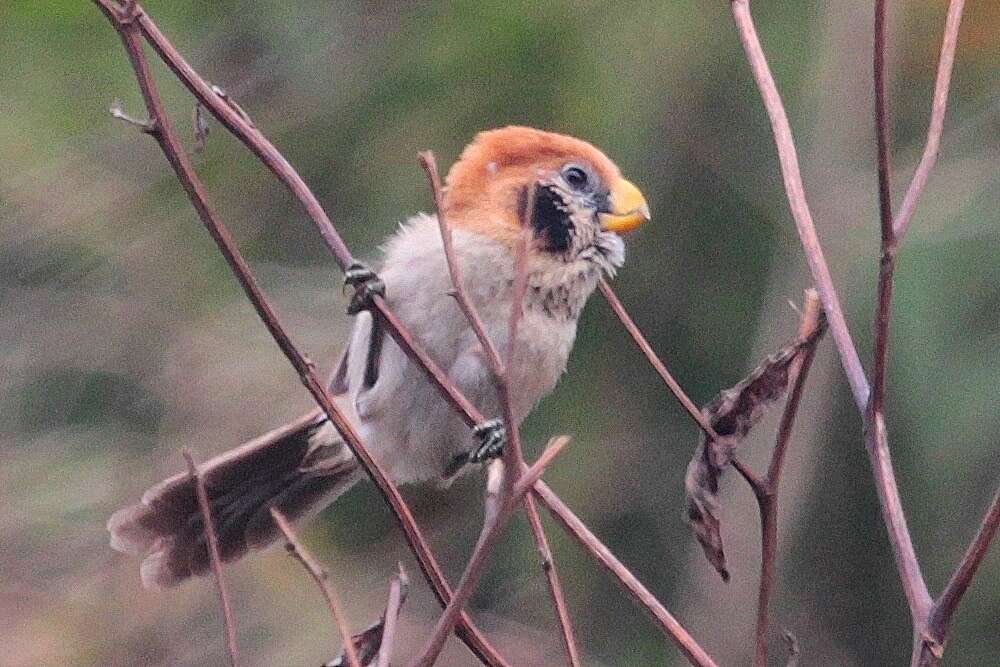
(492, 438)
(366, 284)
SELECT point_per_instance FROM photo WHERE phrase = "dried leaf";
(732, 414)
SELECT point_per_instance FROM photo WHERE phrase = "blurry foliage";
(124, 337)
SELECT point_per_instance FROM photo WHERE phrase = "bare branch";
(767, 493)
(552, 579)
(797, 202)
(882, 126)
(196, 193)
(939, 105)
(876, 434)
(234, 119)
(695, 654)
(319, 574)
(398, 588)
(654, 360)
(429, 164)
(228, 620)
(932, 640)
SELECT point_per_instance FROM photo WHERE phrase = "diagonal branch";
(236, 121)
(552, 579)
(655, 362)
(322, 578)
(228, 620)
(795, 191)
(933, 638)
(496, 364)
(694, 653)
(939, 105)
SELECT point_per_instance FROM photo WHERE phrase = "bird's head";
(579, 200)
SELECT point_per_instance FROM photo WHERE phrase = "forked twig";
(934, 637)
(212, 539)
(319, 574)
(695, 654)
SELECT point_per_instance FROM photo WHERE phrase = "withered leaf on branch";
(368, 642)
(732, 414)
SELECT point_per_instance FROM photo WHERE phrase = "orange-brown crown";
(482, 187)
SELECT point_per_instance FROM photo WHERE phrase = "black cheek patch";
(550, 221)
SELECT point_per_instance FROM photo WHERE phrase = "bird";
(580, 207)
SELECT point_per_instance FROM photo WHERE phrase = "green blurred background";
(123, 336)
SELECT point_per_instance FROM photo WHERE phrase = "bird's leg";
(366, 284)
(492, 437)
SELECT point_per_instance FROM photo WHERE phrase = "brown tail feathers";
(299, 469)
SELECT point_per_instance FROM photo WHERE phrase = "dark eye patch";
(550, 219)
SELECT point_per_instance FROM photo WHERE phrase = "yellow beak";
(628, 208)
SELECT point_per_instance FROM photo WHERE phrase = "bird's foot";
(492, 438)
(366, 284)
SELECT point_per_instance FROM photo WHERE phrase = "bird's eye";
(576, 177)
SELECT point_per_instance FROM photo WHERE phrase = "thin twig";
(552, 579)
(939, 104)
(654, 360)
(766, 491)
(876, 436)
(228, 620)
(882, 125)
(933, 638)
(795, 191)
(319, 574)
(128, 27)
(429, 164)
(888, 245)
(533, 473)
(398, 588)
(695, 654)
